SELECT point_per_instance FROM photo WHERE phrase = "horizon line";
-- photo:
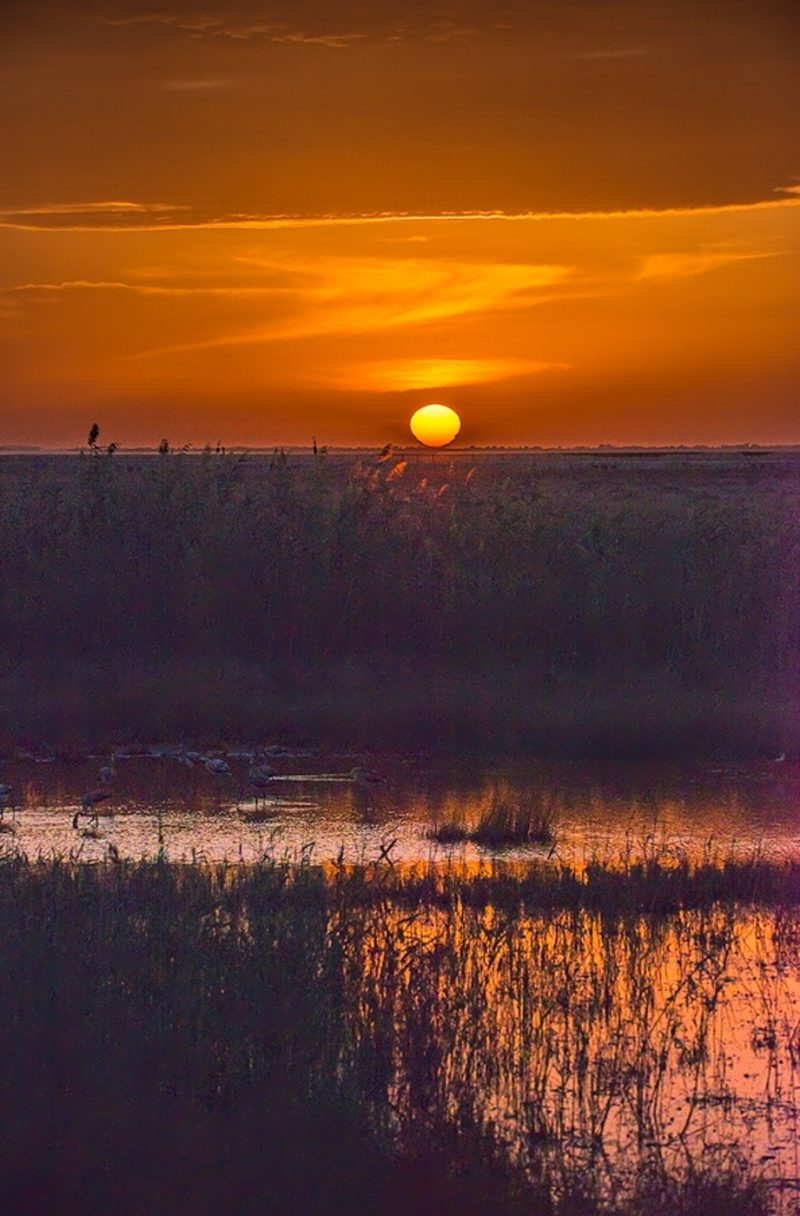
(301, 448)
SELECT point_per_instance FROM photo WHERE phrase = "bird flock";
(97, 801)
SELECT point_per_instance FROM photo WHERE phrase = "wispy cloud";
(337, 41)
(209, 85)
(403, 375)
(352, 295)
(129, 217)
(446, 29)
(534, 301)
(111, 207)
(144, 289)
(201, 25)
(610, 54)
(191, 23)
(687, 265)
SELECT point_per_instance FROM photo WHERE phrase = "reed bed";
(507, 820)
(279, 1038)
(374, 599)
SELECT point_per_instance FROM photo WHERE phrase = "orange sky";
(574, 222)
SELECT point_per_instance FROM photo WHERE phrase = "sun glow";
(435, 425)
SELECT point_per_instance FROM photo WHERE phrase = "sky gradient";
(574, 223)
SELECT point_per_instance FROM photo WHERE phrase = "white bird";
(219, 767)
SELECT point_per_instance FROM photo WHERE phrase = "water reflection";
(588, 1043)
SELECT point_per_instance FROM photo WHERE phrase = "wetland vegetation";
(592, 605)
(281, 1038)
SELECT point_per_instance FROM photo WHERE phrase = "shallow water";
(312, 809)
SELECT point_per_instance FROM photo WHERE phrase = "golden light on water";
(435, 425)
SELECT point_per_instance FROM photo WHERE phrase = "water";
(312, 809)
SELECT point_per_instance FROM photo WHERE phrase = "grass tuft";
(448, 833)
(505, 822)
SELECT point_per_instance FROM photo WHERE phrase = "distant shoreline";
(604, 451)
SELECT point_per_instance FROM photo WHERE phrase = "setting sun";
(435, 425)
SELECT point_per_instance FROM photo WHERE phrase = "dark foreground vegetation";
(207, 1040)
(650, 886)
(637, 607)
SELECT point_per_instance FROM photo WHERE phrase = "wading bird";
(367, 782)
(259, 767)
(260, 779)
(259, 775)
(89, 804)
(264, 771)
